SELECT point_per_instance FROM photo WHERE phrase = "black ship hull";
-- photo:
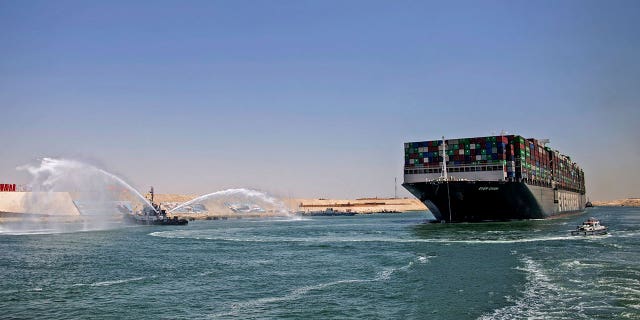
(475, 201)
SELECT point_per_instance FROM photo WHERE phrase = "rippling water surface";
(361, 267)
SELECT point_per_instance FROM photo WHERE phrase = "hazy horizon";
(314, 99)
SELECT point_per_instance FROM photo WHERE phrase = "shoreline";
(629, 202)
(359, 205)
(12, 208)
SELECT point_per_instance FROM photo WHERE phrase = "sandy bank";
(630, 202)
(366, 205)
(361, 206)
(27, 205)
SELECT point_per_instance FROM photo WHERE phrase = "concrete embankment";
(42, 203)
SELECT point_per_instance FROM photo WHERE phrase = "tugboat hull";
(589, 233)
(155, 220)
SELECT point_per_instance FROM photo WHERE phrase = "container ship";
(494, 178)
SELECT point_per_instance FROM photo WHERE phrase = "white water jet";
(64, 175)
(69, 196)
(227, 199)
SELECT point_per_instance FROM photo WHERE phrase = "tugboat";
(588, 204)
(153, 216)
(590, 227)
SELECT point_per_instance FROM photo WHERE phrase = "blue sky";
(314, 98)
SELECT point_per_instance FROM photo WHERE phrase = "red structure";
(7, 187)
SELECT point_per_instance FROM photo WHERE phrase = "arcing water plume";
(64, 175)
(69, 195)
(237, 200)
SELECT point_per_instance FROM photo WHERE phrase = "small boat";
(588, 204)
(590, 227)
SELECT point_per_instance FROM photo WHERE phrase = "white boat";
(589, 228)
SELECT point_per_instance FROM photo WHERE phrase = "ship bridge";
(476, 172)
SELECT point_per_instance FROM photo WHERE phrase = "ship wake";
(541, 298)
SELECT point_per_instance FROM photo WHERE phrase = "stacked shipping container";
(459, 151)
(522, 159)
